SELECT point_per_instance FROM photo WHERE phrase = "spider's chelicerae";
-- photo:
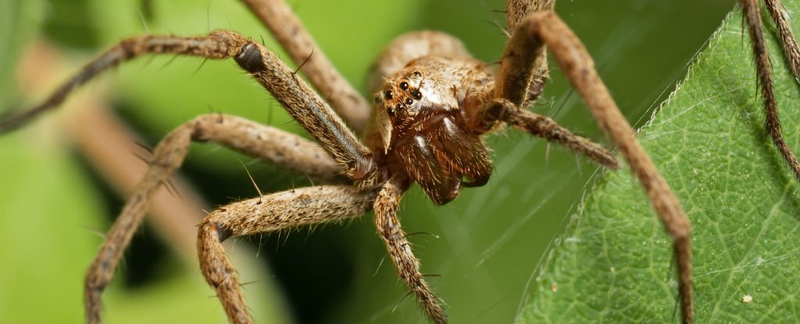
(432, 103)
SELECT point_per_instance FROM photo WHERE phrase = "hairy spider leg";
(236, 133)
(270, 213)
(523, 52)
(752, 16)
(287, 29)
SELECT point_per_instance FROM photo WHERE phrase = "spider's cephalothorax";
(420, 118)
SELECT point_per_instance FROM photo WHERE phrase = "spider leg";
(522, 51)
(278, 17)
(752, 15)
(407, 265)
(270, 144)
(540, 126)
(298, 99)
(236, 133)
(516, 88)
(516, 11)
(311, 112)
(274, 212)
(215, 46)
(790, 48)
(546, 128)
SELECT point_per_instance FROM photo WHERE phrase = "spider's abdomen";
(420, 123)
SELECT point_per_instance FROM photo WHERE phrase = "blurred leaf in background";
(489, 242)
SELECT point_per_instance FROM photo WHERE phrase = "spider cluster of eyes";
(411, 93)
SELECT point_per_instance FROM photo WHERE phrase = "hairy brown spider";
(430, 111)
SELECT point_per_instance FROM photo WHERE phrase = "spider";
(411, 87)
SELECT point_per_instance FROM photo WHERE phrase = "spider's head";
(419, 125)
(404, 102)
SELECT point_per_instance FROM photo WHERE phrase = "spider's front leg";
(217, 45)
(523, 52)
(287, 29)
(313, 113)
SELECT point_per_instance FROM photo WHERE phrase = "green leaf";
(708, 140)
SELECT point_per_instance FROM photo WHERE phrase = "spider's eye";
(390, 111)
(388, 94)
(404, 85)
(409, 101)
(377, 100)
(416, 94)
(417, 74)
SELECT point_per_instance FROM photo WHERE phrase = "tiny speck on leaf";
(747, 299)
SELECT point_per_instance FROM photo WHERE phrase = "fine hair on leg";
(772, 125)
(407, 265)
(234, 132)
(279, 211)
(278, 17)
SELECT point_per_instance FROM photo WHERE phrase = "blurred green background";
(488, 242)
